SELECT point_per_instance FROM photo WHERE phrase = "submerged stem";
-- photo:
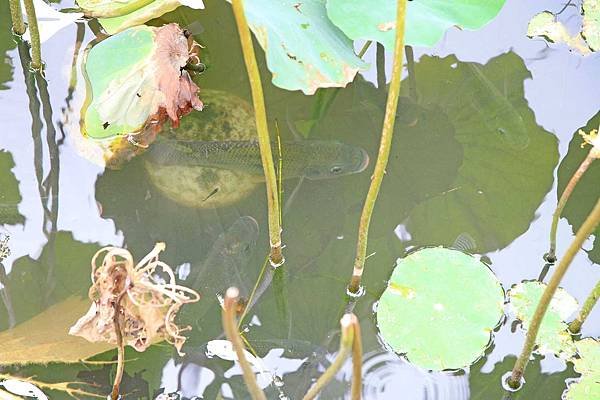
(262, 129)
(356, 390)
(586, 309)
(16, 15)
(584, 231)
(120, 348)
(564, 197)
(233, 335)
(34, 33)
(347, 323)
(384, 151)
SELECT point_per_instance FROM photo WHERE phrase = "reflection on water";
(471, 167)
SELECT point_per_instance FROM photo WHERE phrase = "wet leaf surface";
(553, 336)
(426, 20)
(440, 308)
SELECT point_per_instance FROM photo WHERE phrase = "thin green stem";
(364, 49)
(262, 129)
(233, 335)
(34, 33)
(347, 325)
(584, 231)
(380, 64)
(384, 151)
(564, 197)
(17, 17)
(356, 389)
(586, 309)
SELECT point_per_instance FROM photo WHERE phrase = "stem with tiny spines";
(384, 151)
(262, 129)
(16, 15)
(233, 335)
(586, 309)
(34, 33)
(347, 325)
(584, 231)
(564, 197)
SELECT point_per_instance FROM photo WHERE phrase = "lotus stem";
(380, 64)
(347, 324)
(264, 141)
(16, 15)
(586, 309)
(120, 348)
(34, 33)
(564, 197)
(233, 335)
(356, 389)
(384, 151)
(584, 231)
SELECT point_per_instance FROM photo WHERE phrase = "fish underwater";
(312, 159)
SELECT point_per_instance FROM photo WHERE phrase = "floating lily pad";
(546, 25)
(136, 76)
(553, 336)
(153, 10)
(440, 308)
(305, 50)
(426, 20)
(591, 23)
(588, 365)
(586, 192)
(9, 195)
(507, 159)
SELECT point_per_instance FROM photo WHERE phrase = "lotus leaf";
(426, 20)
(588, 365)
(305, 51)
(591, 23)
(440, 308)
(135, 77)
(553, 336)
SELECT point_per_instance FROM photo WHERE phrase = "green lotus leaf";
(426, 20)
(9, 195)
(304, 50)
(591, 23)
(135, 76)
(440, 308)
(143, 14)
(586, 192)
(507, 160)
(588, 365)
(553, 336)
(110, 8)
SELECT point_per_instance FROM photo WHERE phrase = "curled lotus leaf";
(110, 8)
(136, 77)
(553, 336)
(440, 308)
(426, 20)
(305, 50)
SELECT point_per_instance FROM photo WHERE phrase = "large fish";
(313, 159)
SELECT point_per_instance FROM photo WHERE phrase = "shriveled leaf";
(45, 338)
(506, 160)
(153, 10)
(9, 194)
(553, 336)
(440, 308)
(588, 365)
(591, 23)
(305, 50)
(426, 20)
(134, 77)
(547, 26)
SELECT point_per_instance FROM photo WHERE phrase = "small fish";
(226, 262)
(313, 159)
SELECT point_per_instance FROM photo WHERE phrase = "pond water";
(453, 174)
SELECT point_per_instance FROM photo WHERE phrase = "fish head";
(332, 159)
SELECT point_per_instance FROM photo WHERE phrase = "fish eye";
(336, 169)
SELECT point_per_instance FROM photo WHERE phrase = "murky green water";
(454, 173)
